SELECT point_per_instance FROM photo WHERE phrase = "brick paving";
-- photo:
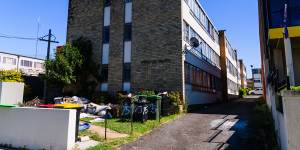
(218, 126)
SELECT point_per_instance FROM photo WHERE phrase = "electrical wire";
(16, 37)
(27, 38)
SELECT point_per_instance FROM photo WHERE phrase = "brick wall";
(156, 48)
(85, 19)
(115, 66)
(157, 60)
(222, 41)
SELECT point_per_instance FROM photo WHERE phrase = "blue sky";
(20, 17)
(240, 20)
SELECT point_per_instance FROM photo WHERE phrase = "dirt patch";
(109, 134)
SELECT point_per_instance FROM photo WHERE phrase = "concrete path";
(219, 126)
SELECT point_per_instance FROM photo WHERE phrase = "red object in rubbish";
(47, 106)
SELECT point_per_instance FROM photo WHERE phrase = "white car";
(258, 91)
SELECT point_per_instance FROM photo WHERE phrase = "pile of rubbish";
(94, 112)
(73, 100)
(34, 103)
(88, 107)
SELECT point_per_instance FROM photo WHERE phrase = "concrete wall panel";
(34, 128)
(11, 92)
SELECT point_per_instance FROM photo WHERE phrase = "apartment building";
(230, 68)
(257, 78)
(280, 55)
(146, 45)
(243, 73)
(28, 65)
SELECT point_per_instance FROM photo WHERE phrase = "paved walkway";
(220, 126)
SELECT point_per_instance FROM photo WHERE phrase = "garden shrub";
(11, 76)
(146, 93)
(243, 91)
(295, 88)
(175, 98)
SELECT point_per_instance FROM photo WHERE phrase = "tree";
(88, 76)
(62, 69)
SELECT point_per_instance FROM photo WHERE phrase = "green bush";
(146, 93)
(243, 91)
(175, 98)
(11, 76)
(62, 69)
(295, 88)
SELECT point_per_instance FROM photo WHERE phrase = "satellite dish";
(194, 42)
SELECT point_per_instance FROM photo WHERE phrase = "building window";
(106, 16)
(127, 51)
(104, 87)
(104, 73)
(128, 12)
(8, 60)
(38, 65)
(204, 51)
(105, 54)
(127, 32)
(107, 3)
(256, 71)
(26, 63)
(106, 35)
(126, 72)
(232, 86)
(256, 81)
(200, 80)
(126, 87)
(201, 17)
(186, 31)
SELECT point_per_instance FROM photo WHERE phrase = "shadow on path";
(213, 127)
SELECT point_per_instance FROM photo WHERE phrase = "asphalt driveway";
(219, 126)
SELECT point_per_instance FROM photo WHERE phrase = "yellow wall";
(277, 33)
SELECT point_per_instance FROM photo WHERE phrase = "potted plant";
(11, 87)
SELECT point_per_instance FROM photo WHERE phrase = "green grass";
(263, 128)
(139, 129)
(86, 119)
(93, 136)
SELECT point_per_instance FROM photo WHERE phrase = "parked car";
(258, 91)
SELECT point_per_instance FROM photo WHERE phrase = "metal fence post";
(105, 124)
(158, 109)
(131, 117)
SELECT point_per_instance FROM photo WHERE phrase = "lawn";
(139, 129)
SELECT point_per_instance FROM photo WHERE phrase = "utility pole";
(49, 41)
(288, 50)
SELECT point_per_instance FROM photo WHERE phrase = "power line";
(17, 37)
